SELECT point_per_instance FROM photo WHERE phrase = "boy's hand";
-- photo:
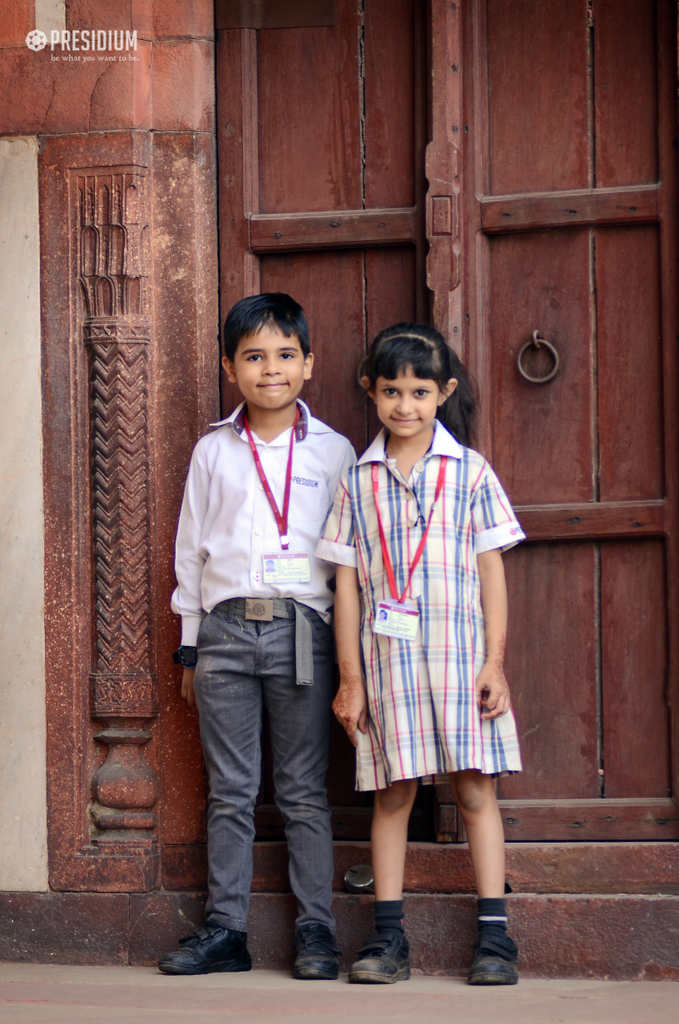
(351, 706)
(492, 691)
(187, 686)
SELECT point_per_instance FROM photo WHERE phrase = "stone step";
(632, 867)
(559, 935)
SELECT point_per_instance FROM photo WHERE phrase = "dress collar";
(443, 443)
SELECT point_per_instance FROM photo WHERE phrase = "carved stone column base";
(113, 822)
(125, 786)
(125, 843)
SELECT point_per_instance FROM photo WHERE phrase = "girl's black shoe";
(382, 961)
(495, 958)
(208, 950)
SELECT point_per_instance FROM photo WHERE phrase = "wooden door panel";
(572, 231)
(389, 61)
(526, 211)
(537, 62)
(586, 821)
(309, 116)
(321, 153)
(636, 720)
(543, 449)
(391, 287)
(329, 285)
(630, 417)
(234, 75)
(625, 91)
(551, 665)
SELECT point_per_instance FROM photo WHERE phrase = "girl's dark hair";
(423, 350)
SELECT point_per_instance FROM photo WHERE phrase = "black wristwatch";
(186, 656)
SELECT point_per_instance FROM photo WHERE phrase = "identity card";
(397, 619)
(287, 567)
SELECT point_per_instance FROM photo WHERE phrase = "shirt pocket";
(309, 500)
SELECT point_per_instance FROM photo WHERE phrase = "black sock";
(492, 915)
(388, 916)
(493, 939)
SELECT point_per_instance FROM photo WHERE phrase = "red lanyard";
(420, 548)
(281, 520)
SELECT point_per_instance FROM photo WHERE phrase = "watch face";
(188, 656)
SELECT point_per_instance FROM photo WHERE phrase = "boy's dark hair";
(423, 350)
(249, 315)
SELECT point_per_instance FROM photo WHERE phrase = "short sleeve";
(338, 540)
(495, 523)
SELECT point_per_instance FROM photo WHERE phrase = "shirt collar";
(237, 421)
(443, 443)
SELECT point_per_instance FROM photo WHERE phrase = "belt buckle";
(259, 609)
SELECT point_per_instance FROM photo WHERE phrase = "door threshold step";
(600, 867)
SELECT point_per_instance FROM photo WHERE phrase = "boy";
(255, 608)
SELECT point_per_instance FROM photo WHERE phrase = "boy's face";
(269, 368)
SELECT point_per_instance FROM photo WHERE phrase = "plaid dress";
(423, 715)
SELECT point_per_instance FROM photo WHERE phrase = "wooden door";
(571, 222)
(322, 122)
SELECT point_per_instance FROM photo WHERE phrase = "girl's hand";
(351, 706)
(492, 691)
(187, 686)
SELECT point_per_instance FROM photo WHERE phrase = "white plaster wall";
(50, 14)
(23, 827)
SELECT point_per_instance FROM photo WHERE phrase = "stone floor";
(52, 994)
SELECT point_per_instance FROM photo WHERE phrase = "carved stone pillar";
(113, 270)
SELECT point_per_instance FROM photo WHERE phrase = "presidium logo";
(85, 41)
(36, 40)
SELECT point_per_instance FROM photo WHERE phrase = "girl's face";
(407, 405)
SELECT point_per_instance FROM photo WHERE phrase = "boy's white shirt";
(226, 523)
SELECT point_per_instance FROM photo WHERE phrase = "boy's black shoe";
(317, 953)
(495, 958)
(208, 949)
(382, 961)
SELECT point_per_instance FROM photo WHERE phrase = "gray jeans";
(242, 666)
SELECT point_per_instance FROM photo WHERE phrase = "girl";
(416, 530)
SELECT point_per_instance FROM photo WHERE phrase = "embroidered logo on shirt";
(305, 482)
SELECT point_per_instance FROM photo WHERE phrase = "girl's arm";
(491, 686)
(350, 704)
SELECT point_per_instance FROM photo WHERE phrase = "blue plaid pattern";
(424, 719)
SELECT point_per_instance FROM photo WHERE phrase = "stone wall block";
(28, 92)
(121, 96)
(186, 374)
(64, 928)
(18, 19)
(195, 18)
(51, 92)
(64, 91)
(111, 14)
(183, 86)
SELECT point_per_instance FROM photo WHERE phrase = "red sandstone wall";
(142, 130)
(169, 88)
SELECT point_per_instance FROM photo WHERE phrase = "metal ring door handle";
(538, 342)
